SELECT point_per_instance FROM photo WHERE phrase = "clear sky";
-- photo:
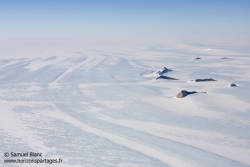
(111, 18)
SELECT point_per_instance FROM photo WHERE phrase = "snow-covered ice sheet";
(103, 107)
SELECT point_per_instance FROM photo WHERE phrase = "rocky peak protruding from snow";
(233, 85)
(164, 70)
(203, 80)
(184, 93)
(166, 77)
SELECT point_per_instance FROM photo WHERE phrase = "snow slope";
(101, 106)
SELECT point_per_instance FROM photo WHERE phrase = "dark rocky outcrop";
(166, 77)
(197, 58)
(233, 85)
(203, 80)
(184, 93)
(164, 70)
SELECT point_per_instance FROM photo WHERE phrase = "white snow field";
(100, 106)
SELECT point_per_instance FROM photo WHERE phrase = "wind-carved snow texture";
(107, 109)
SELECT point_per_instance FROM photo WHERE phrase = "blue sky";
(119, 18)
